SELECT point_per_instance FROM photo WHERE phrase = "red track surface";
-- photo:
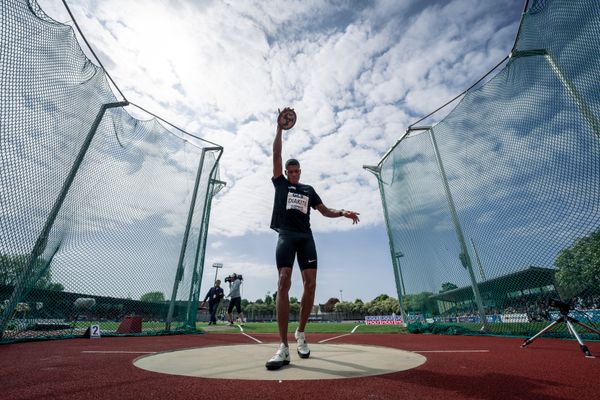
(547, 369)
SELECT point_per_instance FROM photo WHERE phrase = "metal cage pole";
(481, 271)
(42, 240)
(201, 246)
(376, 170)
(190, 321)
(195, 293)
(179, 270)
(588, 115)
(464, 253)
(398, 255)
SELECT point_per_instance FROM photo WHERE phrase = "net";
(103, 217)
(495, 210)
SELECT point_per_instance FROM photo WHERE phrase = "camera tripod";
(564, 309)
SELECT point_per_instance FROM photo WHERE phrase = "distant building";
(529, 285)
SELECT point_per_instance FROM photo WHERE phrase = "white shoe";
(303, 350)
(281, 358)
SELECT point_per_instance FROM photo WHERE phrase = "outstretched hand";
(353, 215)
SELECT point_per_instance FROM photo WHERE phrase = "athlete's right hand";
(279, 120)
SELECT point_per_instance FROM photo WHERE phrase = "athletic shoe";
(303, 350)
(281, 358)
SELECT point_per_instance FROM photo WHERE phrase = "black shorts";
(292, 244)
(235, 302)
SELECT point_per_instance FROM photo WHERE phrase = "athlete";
(291, 218)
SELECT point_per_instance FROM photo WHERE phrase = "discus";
(287, 119)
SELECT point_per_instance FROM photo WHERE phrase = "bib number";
(296, 201)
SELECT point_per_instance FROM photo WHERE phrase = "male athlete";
(291, 218)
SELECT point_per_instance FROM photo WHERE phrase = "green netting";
(495, 209)
(102, 216)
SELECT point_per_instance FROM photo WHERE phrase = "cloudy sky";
(356, 72)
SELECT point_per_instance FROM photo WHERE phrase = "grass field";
(318, 327)
(507, 329)
(259, 327)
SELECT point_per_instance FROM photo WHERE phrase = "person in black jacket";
(214, 296)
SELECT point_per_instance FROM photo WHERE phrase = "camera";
(563, 307)
(232, 278)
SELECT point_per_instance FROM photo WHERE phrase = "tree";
(578, 267)
(330, 304)
(358, 306)
(446, 286)
(421, 302)
(57, 287)
(259, 308)
(40, 276)
(382, 305)
(153, 297)
(381, 297)
(343, 307)
(295, 308)
(293, 300)
(268, 299)
(390, 306)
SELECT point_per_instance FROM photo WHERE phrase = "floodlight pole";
(464, 253)
(42, 240)
(376, 170)
(216, 266)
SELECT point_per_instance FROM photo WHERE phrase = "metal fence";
(102, 215)
(495, 211)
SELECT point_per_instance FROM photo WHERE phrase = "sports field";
(455, 367)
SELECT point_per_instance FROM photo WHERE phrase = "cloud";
(216, 244)
(357, 73)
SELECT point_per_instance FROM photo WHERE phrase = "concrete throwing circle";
(247, 361)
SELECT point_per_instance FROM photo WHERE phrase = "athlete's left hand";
(353, 215)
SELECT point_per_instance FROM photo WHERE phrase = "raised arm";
(277, 162)
(333, 213)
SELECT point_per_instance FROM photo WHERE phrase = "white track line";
(118, 352)
(245, 334)
(450, 351)
(337, 337)
(253, 338)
